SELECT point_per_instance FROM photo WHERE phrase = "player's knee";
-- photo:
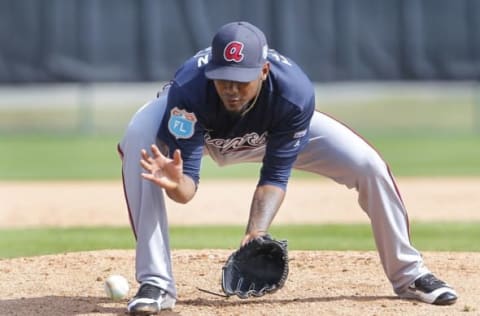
(372, 165)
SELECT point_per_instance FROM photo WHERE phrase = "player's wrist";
(184, 190)
(249, 236)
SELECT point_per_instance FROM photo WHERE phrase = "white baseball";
(116, 287)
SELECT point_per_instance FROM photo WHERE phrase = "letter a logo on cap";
(233, 52)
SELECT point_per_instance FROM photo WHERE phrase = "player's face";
(235, 95)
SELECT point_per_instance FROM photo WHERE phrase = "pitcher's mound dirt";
(319, 283)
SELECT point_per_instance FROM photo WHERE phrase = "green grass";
(40, 241)
(53, 157)
(425, 236)
(432, 155)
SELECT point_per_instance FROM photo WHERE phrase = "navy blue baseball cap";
(239, 51)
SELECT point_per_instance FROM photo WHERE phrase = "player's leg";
(338, 153)
(146, 206)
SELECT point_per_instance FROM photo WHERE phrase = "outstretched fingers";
(161, 170)
(150, 162)
(155, 151)
(177, 157)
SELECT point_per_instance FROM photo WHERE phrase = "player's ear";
(265, 71)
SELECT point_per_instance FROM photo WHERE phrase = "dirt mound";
(320, 282)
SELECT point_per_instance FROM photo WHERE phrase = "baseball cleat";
(429, 289)
(150, 300)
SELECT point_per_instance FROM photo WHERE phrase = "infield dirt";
(319, 283)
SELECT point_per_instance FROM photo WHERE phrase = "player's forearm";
(265, 204)
(184, 192)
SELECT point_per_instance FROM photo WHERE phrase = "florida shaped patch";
(181, 123)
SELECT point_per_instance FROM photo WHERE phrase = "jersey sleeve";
(182, 130)
(284, 144)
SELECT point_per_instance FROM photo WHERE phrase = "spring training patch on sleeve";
(181, 123)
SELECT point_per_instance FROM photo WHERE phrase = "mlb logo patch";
(181, 123)
(300, 133)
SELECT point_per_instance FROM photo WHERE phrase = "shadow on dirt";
(233, 301)
(65, 305)
(68, 305)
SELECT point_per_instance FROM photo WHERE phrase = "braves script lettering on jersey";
(246, 142)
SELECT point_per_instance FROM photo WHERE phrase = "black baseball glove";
(257, 268)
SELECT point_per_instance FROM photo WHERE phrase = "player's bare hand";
(163, 171)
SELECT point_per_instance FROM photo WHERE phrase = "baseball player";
(239, 101)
